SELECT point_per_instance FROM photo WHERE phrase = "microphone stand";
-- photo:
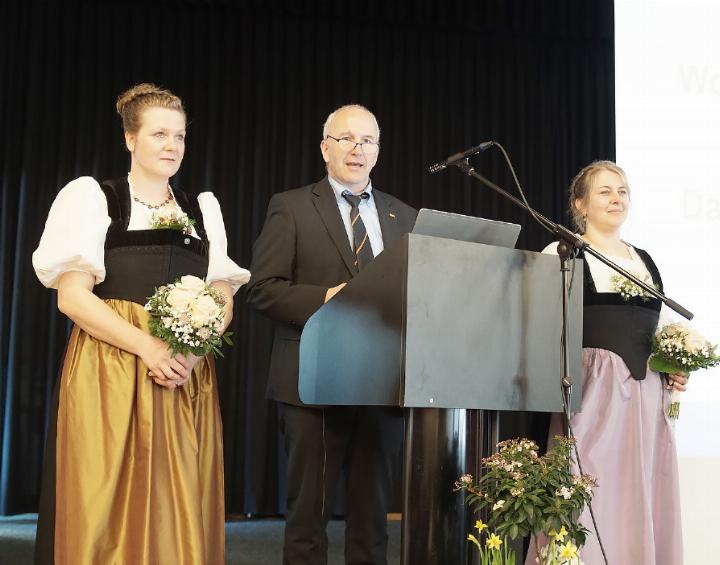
(570, 244)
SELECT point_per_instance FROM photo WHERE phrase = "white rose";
(673, 329)
(203, 310)
(189, 282)
(694, 343)
(180, 298)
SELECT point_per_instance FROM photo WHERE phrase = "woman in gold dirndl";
(134, 465)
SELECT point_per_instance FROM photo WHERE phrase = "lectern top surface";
(448, 225)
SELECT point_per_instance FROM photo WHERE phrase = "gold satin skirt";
(139, 468)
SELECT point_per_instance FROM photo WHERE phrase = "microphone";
(442, 165)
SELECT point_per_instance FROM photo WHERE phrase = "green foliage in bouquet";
(679, 348)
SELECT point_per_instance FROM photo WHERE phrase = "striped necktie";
(363, 251)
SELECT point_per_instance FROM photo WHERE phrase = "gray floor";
(248, 542)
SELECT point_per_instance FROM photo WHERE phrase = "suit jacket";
(303, 250)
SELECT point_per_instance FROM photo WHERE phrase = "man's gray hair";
(331, 117)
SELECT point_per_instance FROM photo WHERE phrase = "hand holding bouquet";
(188, 315)
(677, 348)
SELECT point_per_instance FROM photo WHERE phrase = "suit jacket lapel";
(387, 215)
(326, 204)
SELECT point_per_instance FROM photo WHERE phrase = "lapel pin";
(391, 214)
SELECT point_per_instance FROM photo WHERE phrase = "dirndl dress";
(133, 471)
(623, 433)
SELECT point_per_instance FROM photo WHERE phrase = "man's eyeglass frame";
(363, 145)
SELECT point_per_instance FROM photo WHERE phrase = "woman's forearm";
(77, 302)
(226, 289)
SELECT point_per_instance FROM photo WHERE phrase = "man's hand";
(333, 291)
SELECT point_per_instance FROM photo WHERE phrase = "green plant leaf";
(662, 365)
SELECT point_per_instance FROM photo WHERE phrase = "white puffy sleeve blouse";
(75, 230)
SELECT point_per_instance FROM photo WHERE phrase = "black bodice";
(623, 327)
(138, 261)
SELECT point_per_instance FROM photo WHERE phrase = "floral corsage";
(172, 220)
(628, 289)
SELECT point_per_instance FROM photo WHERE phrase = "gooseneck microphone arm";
(564, 234)
(453, 159)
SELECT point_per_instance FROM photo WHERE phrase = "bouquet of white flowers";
(188, 315)
(677, 348)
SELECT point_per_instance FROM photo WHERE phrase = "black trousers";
(321, 443)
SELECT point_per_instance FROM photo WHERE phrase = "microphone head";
(436, 168)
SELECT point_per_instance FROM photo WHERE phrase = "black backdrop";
(258, 79)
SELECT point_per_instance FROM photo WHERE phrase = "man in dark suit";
(314, 240)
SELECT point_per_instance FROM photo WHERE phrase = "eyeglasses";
(347, 144)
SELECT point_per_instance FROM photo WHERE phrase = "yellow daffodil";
(559, 536)
(568, 550)
(480, 526)
(473, 539)
(493, 542)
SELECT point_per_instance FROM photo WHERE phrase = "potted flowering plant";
(522, 493)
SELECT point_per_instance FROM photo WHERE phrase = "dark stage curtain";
(258, 79)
